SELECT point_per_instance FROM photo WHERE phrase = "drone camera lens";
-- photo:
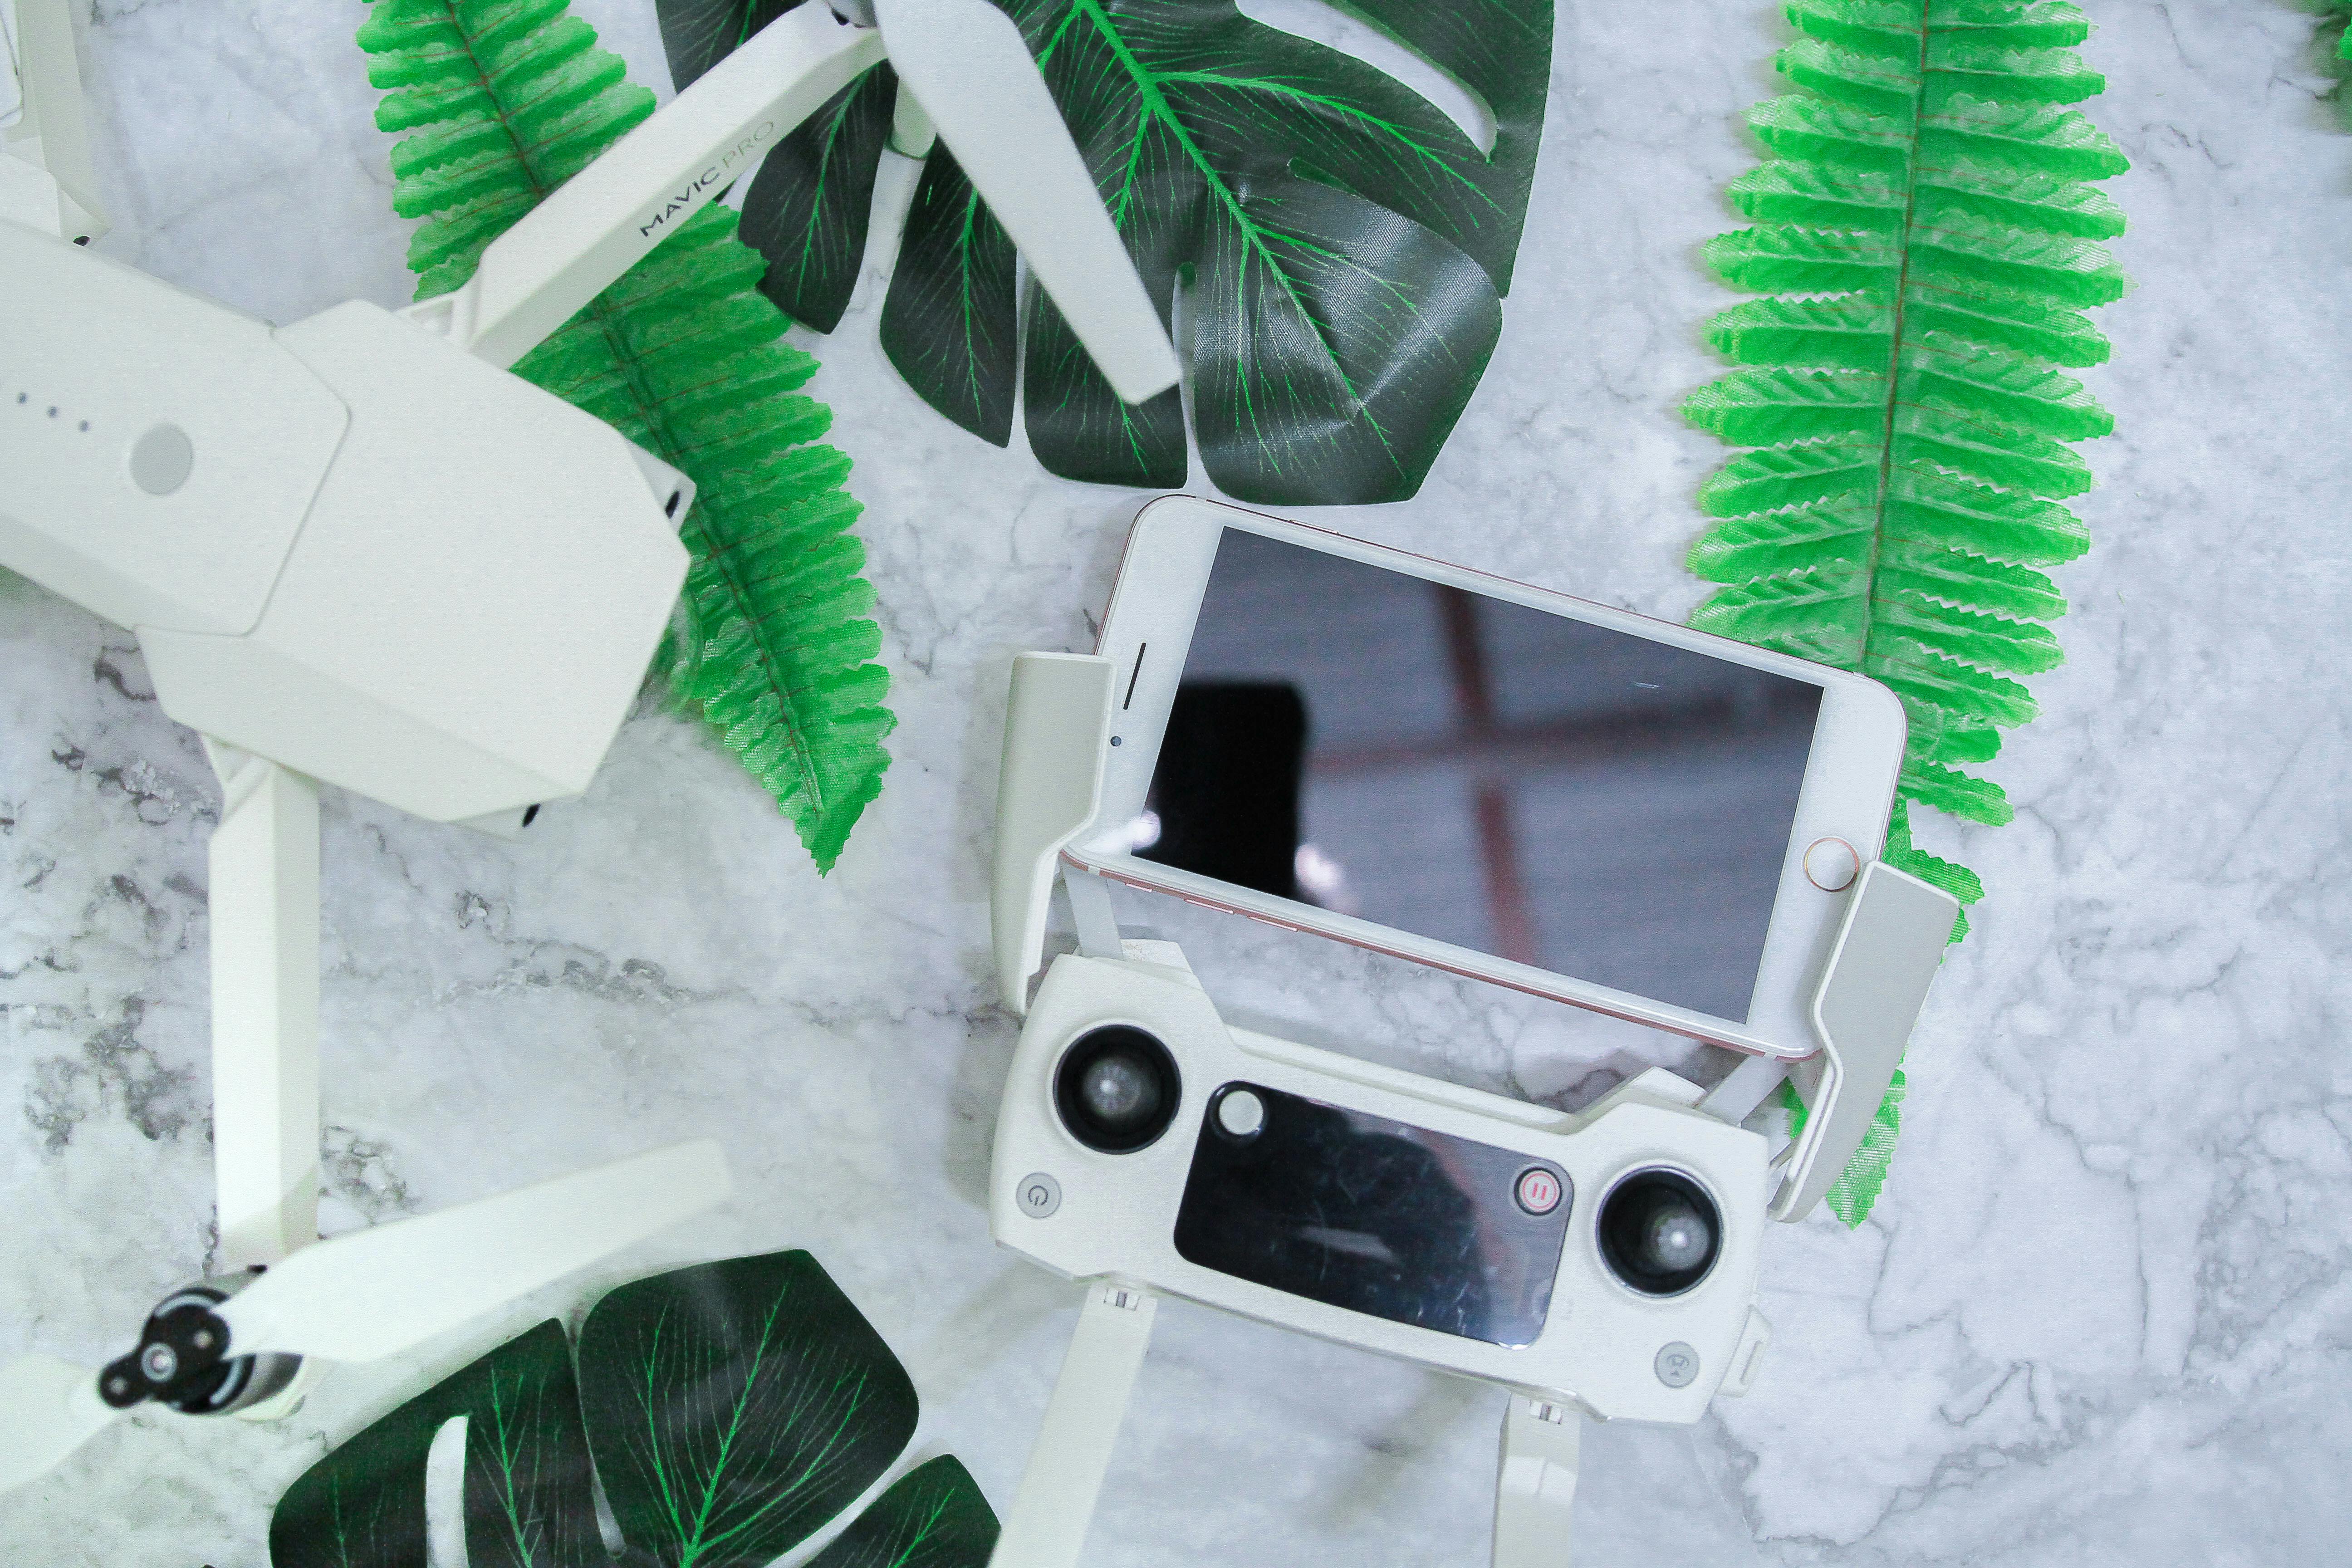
(1660, 1232)
(1117, 1090)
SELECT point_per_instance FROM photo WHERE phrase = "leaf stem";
(1895, 349)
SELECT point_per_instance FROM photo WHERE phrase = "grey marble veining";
(2103, 1315)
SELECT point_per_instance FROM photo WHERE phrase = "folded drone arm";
(379, 1290)
(265, 961)
(1046, 1525)
(606, 218)
(45, 180)
(1535, 1489)
(964, 61)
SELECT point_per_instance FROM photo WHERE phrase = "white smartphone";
(1507, 782)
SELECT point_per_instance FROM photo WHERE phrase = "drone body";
(346, 545)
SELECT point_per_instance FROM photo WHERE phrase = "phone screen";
(1479, 772)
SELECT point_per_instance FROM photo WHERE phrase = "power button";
(1038, 1195)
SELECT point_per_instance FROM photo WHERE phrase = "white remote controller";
(1600, 1264)
(1609, 1256)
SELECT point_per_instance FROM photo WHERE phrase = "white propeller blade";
(967, 67)
(376, 1292)
(12, 74)
(47, 1409)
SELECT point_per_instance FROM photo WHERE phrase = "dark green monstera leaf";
(932, 1517)
(730, 1410)
(737, 1406)
(1341, 246)
(529, 1499)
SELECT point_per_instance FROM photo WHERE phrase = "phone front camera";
(1117, 1090)
(1660, 1232)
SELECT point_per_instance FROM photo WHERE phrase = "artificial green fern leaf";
(772, 640)
(1927, 238)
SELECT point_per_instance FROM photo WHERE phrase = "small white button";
(1241, 1113)
(1539, 1190)
(1039, 1195)
(1678, 1365)
(1832, 865)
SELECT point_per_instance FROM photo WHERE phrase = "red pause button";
(1539, 1190)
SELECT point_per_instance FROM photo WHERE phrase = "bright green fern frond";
(2006, 318)
(1928, 238)
(1795, 540)
(2024, 139)
(1850, 332)
(1787, 258)
(1954, 438)
(2023, 200)
(774, 639)
(1820, 193)
(1925, 504)
(1907, 566)
(1792, 476)
(1760, 407)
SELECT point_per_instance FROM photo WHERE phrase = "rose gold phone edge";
(1800, 931)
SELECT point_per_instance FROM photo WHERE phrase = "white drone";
(355, 550)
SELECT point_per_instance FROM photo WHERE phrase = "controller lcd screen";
(1476, 771)
(1374, 1215)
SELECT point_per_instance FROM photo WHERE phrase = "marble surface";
(2103, 1315)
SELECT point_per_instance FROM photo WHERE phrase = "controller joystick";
(1117, 1090)
(1660, 1233)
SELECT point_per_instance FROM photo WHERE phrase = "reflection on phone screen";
(1479, 772)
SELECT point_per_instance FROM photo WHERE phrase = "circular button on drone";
(1677, 1363)
(1832, 865)
(1039, 1195)
(1240, 1113)
(1538, 1191)
(162, 459)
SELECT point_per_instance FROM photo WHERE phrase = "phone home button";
(1832, 865)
